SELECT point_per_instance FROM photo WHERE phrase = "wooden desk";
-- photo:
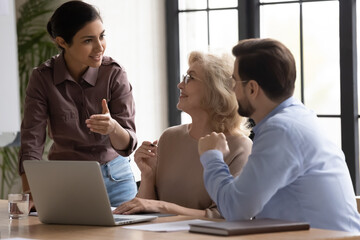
(32, 228)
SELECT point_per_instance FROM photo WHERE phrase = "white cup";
(18, 205)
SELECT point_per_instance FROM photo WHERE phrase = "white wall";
(9, 80)
(135, 35)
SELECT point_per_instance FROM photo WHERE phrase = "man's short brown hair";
(269, 63)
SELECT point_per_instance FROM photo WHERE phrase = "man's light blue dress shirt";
(294, 172)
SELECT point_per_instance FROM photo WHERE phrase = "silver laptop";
(73, 192)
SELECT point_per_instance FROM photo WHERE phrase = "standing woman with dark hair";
(85, 100)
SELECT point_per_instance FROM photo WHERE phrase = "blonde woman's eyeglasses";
(187, 77)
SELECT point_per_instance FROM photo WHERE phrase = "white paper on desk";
(167, 226)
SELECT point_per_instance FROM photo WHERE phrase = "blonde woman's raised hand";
(146, 158)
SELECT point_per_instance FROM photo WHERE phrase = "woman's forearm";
(119, 138)
(147, 188)
(172, 208)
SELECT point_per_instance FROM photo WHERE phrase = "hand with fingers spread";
(102, 123)
(138, 205)
(146, 158)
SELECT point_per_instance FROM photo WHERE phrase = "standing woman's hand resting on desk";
(104, 124)
(31, 204)
(26, 189)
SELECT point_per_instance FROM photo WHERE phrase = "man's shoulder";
(300, 127)
(287, 126)
(280, 120)
(291, 116)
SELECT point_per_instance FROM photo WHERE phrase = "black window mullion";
(173, 60)
(295, 1)
(208, 21)
(302, 84)
(249, 19)
(348, 88)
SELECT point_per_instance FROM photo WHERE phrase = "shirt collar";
(286, 103)
(61, 73)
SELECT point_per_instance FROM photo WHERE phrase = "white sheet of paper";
(168, 226)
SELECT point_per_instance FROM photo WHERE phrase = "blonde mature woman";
(171, 172)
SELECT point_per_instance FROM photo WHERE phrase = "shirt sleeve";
(236, 162)
(122, 109)
(270, 167)
(33, 126)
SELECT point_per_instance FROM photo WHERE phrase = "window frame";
(249, 27)
(348, 89)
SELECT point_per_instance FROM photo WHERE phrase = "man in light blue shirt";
(294, 172)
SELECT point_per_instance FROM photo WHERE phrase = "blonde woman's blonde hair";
(220, 99)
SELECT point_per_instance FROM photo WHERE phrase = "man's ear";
(253, 88)
(61, 42)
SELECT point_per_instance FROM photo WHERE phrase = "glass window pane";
(223, 30)
(222, 3)
(185, 118)
(281, 22)
(191, 4)
(335, 125)
(193, 35)
(321, 56)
